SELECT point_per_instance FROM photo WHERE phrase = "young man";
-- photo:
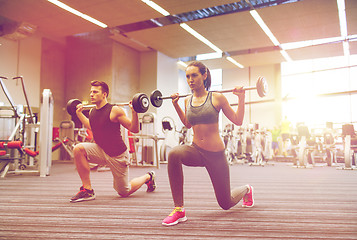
(109, 148)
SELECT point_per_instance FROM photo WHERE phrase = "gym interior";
(297, 145)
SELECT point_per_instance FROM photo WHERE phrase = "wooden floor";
(290, 203)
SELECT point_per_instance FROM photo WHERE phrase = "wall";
(21, 58)
(167, 82)
(88, 57)
(148, 74)
(266, 113)
(125, 73)
(53, 77)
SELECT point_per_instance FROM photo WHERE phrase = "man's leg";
(82, 165)
(137, 182)
(119, 167)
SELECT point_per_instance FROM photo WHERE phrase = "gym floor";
(290, 203)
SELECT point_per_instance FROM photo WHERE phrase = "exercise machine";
(350, 147)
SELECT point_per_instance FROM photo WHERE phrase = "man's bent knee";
(79, 150)
(124, 193)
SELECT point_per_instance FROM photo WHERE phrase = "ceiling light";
(267, 31)
(342, 17)
(156, 7)
(181, 63)
(352, 38)
(208, 56)
(343, 25)
(200, 37)
(263, 26)
(218, 52)
(285, 55)
(346, 48)
(309, 43)
(75, 12)
(235, 62)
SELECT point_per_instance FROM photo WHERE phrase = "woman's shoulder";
(218, 96)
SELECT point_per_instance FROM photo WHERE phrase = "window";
(320, 90)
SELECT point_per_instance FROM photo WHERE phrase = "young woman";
(207, 150)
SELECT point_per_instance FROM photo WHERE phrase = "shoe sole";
(82, 199)
(183, 219)
(246, 206)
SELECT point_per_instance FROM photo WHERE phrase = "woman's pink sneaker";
(248, 199)
(176, 216)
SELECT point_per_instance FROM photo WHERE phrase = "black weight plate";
(140, 103)
(72, 106)
(155, 98)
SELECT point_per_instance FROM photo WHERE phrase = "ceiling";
(236, 34)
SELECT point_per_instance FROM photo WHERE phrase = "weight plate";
(155, 98)
(72, 106)
(140, 103)
(262, 87)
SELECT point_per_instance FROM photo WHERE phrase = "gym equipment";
(306, 148)
(148, 128)
(170, 140)
(27, 101)
(350, 146)
(229, 143)
(330, 149)
(156, 97)
(6, 92)
(240, 145)
(140, 104)
(261, 145)
(146, 143)
(45, 137)
(24, 131)
(19, 146)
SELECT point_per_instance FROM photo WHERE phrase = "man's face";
(96, 94)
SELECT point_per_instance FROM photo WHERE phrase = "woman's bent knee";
(174, 155)
(225, 206)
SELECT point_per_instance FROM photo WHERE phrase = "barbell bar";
(261, 86)
(140, 104)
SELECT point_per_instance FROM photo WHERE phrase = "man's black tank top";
(105, 132)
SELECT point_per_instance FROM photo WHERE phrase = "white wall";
(266, 114)
(167, 82)
(21, 58)
(125, 73)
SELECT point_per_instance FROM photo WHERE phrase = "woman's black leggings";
(217, 168)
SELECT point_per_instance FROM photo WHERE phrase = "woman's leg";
(178, 156)
(218, 169)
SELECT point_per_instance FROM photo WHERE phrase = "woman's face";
(194, 78)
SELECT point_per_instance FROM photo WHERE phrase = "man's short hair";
(103, 85)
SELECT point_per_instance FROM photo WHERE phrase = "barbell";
(140, 104)
(261, 86)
